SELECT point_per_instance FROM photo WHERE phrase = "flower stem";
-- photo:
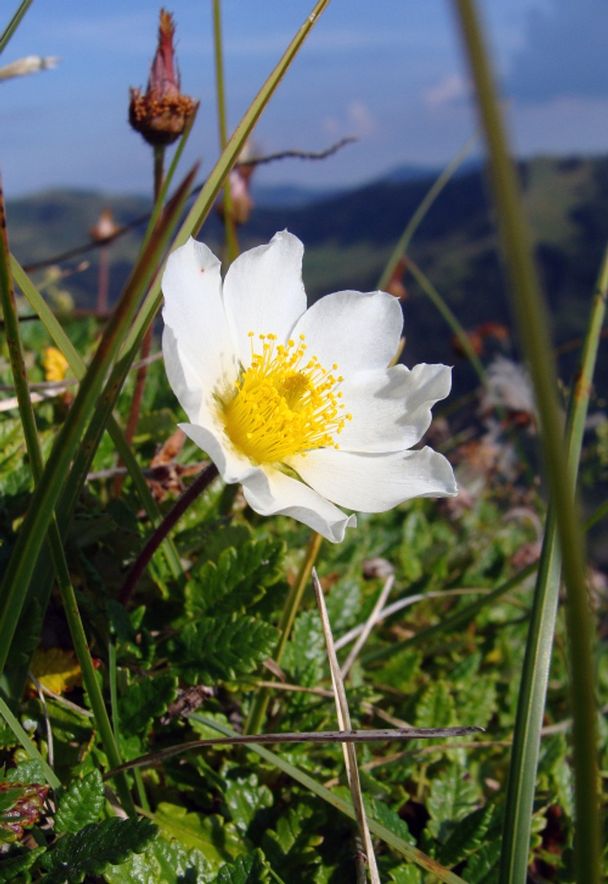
(146, 344)
(202, 481)
(291, 607)
(232, 246)
(533, 325)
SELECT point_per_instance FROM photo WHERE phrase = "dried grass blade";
(350, 754)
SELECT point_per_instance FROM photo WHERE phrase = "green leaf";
(482, 864)
(145, 700)
(466, 837)
(476, 700)
(436, 707)
(223, 648)
(249, 869)
(239, 578)
(96, 845)
(208, 833)
(292, 846)
(163, 861)
(30, 771)
(305, 657)
(81, 804)
(244, 796)
(452, 796)
(9, 797)
(409, 874)
(16, 868)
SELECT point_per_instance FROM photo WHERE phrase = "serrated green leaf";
(477, 700)
(163, 861)
(466, 837)
(400, 670)
(16, 868)
(305, 656)
(389, 818)
(145, 700)
(452, 796)
(481, 868)
(81, 804)
(239, 578)
(436, 707)
(30, 771)
(292, 846)
(9, 797)
(223, 648)
(244, 796)
(208, 833)
(96, 845)
(249, 869)
(409, 874)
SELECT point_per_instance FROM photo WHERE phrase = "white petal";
(355, 329)
(232, 466)
(200, 339)
(264, 292)
(391, 408)
(373, 483)
(269, 492)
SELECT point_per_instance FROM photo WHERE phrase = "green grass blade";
(78, 367)
(533, 325)
(29, 541)
(14, 23)
(535, 674)
(442, 308)
(412, 854)
(423, 209)
(28, 745)
(66, 589)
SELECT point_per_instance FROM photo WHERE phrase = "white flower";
(300, 406)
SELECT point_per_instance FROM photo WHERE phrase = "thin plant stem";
(30, 747)
(232, 246)
(259, 707)
(202, 481)
(66, 589)
(146, 344)
(535, 673)
(14, 23)
(442, 308)
(533, 325)
(425, 205)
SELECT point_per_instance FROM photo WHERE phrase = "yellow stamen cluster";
(285, 403)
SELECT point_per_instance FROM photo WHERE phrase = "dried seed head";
(162, 112)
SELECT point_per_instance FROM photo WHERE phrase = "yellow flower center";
(284, 403)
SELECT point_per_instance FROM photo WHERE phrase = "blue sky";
(389, 71)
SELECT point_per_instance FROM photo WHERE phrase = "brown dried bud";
(241, 202)
(395, 286)
(105, 228)
(162, 112)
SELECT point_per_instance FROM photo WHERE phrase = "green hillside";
(349, 236)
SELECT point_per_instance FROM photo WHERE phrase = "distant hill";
(349, 235)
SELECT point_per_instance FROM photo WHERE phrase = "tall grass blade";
(535, 673)
(533, 325)
(78, 368)
(14, 23)
(29, 541)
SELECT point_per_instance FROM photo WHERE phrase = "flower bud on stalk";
(162, 112)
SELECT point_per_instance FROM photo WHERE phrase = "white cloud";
(452, 88)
